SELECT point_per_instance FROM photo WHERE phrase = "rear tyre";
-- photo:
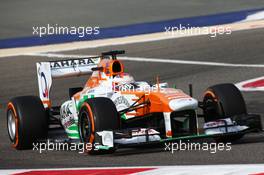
(97, 114)
(26, 121)
(222, 101)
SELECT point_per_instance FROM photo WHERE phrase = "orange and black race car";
(114, 110)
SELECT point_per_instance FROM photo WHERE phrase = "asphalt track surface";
(18, 17)
(18, 77)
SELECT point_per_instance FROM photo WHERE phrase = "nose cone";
(183, 104)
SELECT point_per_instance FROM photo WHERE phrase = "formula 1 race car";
(113, 110)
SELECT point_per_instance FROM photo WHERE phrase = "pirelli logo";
(74, 63)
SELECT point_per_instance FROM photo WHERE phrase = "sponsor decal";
(67, 117)
(144, 131)
(72, 63)
(44, 85)
(121, 101)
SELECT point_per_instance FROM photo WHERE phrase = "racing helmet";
(123, 78)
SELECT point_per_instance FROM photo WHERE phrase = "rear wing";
(46, 71)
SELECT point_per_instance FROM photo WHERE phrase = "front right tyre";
(222, 101)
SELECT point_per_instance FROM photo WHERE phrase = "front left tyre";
(26, 121)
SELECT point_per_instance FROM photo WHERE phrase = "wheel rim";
(210, 107)
(11, 122)
(85, 127)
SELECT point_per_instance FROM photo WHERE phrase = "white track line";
(205, 63)
(122, 40)
(155, 60)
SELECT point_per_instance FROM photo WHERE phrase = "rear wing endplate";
(46, 71)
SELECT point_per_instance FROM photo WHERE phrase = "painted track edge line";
(242, 83)
(168, 170)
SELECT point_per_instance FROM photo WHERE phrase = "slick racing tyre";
(221, 101)
(97, 114)
(26, 121)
